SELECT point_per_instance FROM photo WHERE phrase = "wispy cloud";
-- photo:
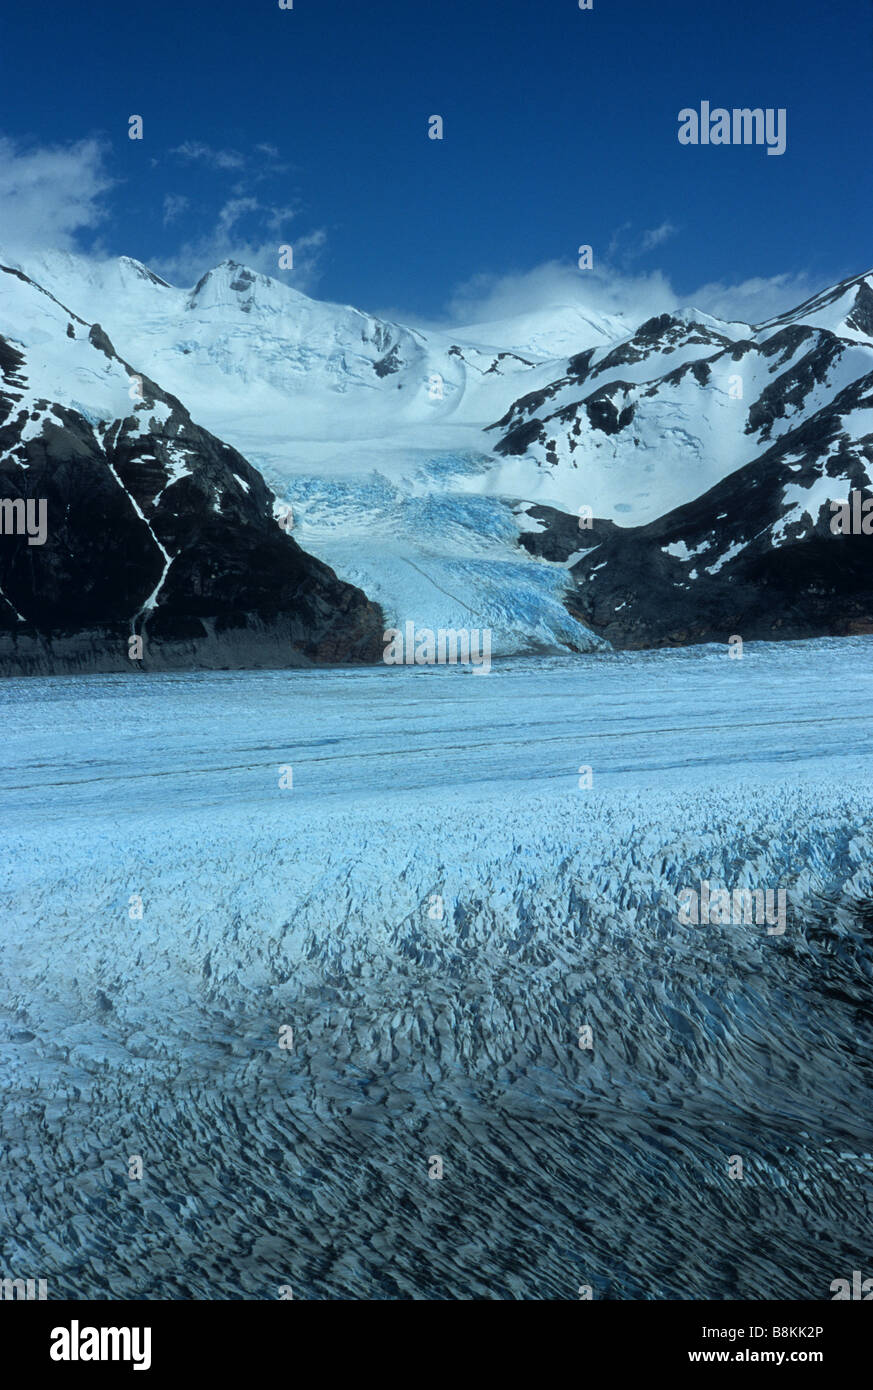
(485, 297)
(657, 235)
(246, 224)
(606, 289)
(54, 196)
(233, 211)
(196, 151)
(49, 194)
(234, 238)
(626, 245)
(174, 205)
(756, 299)
(615, 240)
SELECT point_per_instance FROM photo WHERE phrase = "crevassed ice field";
(416, 1036)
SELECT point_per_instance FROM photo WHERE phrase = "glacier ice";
(437, 909)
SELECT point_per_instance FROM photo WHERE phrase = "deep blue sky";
(560, 128)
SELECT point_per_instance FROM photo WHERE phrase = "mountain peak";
(142, 272)
(845, 309)
(230, 284)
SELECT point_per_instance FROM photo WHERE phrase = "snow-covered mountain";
(295, 356)
(373, 433)
(441, 472)
(755, 555)
(123, 519)
(636, 429)
(732, 443)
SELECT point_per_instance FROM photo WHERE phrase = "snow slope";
(372, 432)
(63, 364)
(291, 357)
(153, 528)
(636, 430)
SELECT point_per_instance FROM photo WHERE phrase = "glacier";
(437, 907)
(407, 455)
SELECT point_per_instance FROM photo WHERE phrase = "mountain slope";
(155, 529)
(439, 472)
(845, 309)
(640, 428)
(728, 444)
(321, 370)
(755, 556)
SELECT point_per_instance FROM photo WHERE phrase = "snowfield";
(418, 1035)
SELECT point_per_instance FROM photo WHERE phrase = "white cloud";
(626, 246)
(174, 204)
(615, 240)
(608, 290)
(226, 243)
(656, 235)
(235, 209)
(50, 193)
(196, 150)
(247, 228)
(277, 218)
(487, 297)
(757, 299)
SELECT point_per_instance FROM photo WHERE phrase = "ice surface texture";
(416, 1037)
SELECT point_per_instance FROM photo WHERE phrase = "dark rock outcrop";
(155, 530)
(754, 557)
(561, 534)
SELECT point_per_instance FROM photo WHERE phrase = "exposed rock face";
(155, 528)
(638, 428)
(597, 395)
(559, 535)
(789, 404)
(705, 453)
(756, 556)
